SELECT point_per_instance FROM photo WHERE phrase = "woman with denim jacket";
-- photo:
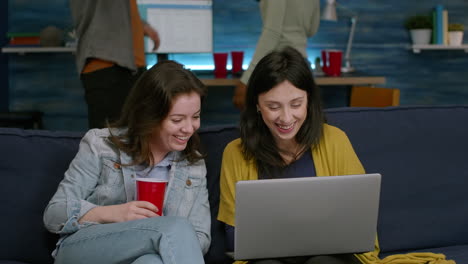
(94, 209)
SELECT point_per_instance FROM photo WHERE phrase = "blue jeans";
(166, 239)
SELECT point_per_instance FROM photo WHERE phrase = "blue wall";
(49, 82)
(4, 97)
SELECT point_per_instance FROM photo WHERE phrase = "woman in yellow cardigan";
(284, 134)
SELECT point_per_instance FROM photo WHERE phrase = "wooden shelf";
(350, 80)
(210, 81)
(419, 47)
(220, 82)
(321, 81)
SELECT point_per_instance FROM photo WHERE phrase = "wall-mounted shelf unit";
(419, 47)
(24, 50)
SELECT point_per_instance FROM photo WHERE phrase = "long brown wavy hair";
(148, 104)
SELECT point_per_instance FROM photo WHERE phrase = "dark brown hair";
(257, 141)
(148, 104)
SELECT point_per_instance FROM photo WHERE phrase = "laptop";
(306, 216)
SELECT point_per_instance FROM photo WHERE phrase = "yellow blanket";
(409, 258)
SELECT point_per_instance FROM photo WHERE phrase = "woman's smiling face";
(283, 109)
(179, 125)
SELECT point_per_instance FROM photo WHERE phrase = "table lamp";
(329, 14)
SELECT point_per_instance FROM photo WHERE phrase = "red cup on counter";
(331, 60)
(220, 62)
(237, 58)
(151, 190)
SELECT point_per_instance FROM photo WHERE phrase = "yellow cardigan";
(334, 155)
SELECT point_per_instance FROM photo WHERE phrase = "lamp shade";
(329, 11)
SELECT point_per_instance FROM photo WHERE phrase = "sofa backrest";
(214, 139)
(422, 154)
(32, 163)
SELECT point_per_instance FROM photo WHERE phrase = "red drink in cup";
(151, 190)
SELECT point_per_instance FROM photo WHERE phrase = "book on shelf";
(445, 26)
(22, 45)
(434, 27)
(23, 38)
(440, 25)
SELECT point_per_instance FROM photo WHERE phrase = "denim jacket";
(97, 178)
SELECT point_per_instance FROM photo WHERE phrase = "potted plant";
(455, 34)
(420, 27)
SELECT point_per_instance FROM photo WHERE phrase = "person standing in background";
(285, 23)
(110, 53)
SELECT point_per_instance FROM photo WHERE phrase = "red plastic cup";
(237, 58)
(220, 62)
(332, 62)
(151, 190)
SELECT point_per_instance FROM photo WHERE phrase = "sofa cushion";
(32, 164)
(421, 153)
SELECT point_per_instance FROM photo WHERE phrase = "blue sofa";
(421, 152)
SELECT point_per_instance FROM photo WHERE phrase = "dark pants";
(328, 259)
(105, 93)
